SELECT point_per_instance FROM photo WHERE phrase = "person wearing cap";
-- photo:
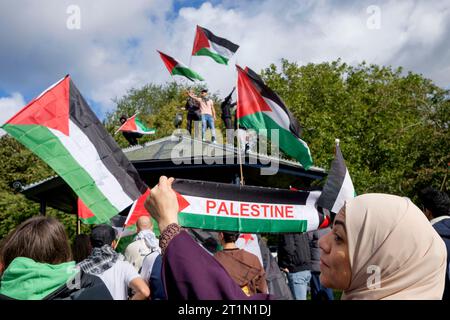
(108, 265)
(208, 113)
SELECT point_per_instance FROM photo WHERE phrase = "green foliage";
(394, 128)
(18, 163)
(156, 106)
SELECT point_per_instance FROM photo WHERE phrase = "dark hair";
(436, 201)
(101, 235)
(81, 247)
(204, 90)
(230, 236)
(42, 239)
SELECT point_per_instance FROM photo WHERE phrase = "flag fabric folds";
(133, 124)
(176, 67)
(258, 107)
(208, 44)
(339, 185)
(61, 129)
(246, 209)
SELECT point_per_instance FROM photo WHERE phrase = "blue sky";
(115, 47)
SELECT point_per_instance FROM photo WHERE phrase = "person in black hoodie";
(294, 258)
(37, 265)
(436, 207)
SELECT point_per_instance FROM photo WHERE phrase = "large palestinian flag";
(208, 44)
(178, 68)
(133, 124)
(258, 107)
(247, 209)
(339, 186)
(61, 129)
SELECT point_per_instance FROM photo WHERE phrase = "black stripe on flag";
(109, 151)
(334, 182)
(233, 192)
(220, 41)
(268, 93)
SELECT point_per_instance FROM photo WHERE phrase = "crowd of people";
(379, 247)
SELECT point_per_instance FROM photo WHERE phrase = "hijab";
(389, 234)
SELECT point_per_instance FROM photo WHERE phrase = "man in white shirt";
(145, 255)
(138, 249)
(108, 265)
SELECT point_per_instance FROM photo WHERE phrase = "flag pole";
(239, 138)
(120, 237)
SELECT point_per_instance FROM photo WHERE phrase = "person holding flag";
(208, 113)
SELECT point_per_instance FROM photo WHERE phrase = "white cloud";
(9, 106)
(116, 46)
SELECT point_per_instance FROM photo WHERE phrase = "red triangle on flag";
(249, 100)
(138, 209)
(50, 109)
(200, 41)
(83, 211)
(168, 61)
(247, 237)
(129, 125)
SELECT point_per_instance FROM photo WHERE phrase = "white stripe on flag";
(222, 51)
(84, 152)
(346, 192)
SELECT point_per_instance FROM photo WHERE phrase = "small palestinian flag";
(133, 124)
(61, 129)
(246, 209)
(258, 107)
(178, 68)
(208, 44)
(339, 185)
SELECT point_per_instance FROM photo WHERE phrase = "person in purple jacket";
(188, 271)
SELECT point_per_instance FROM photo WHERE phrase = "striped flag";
(246, 209)
(258, 107)
(133, 124)
(61, 129)
(339, 185)
(178, 68)
(208, 44)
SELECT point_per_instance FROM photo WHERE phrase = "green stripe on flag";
(244, 225)
(217, 57)
(186, 72)
(41, 141)
(288, 143)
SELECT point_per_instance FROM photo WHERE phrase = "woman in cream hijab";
(383, 247)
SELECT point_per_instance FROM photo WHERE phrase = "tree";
(394, 128)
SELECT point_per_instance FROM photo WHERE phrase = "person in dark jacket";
(36, 256)
(318, 291)
(131, 137)
(436, 207)
(294, 258)
(226, 107)
(193, 115)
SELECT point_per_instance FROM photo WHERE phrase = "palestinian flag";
(85, 214)
(178, 68)
(133, 124)
(247, 209)
(61, 129)
(339, 186)
(258, 107)
(208, 44)
(250, 243)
